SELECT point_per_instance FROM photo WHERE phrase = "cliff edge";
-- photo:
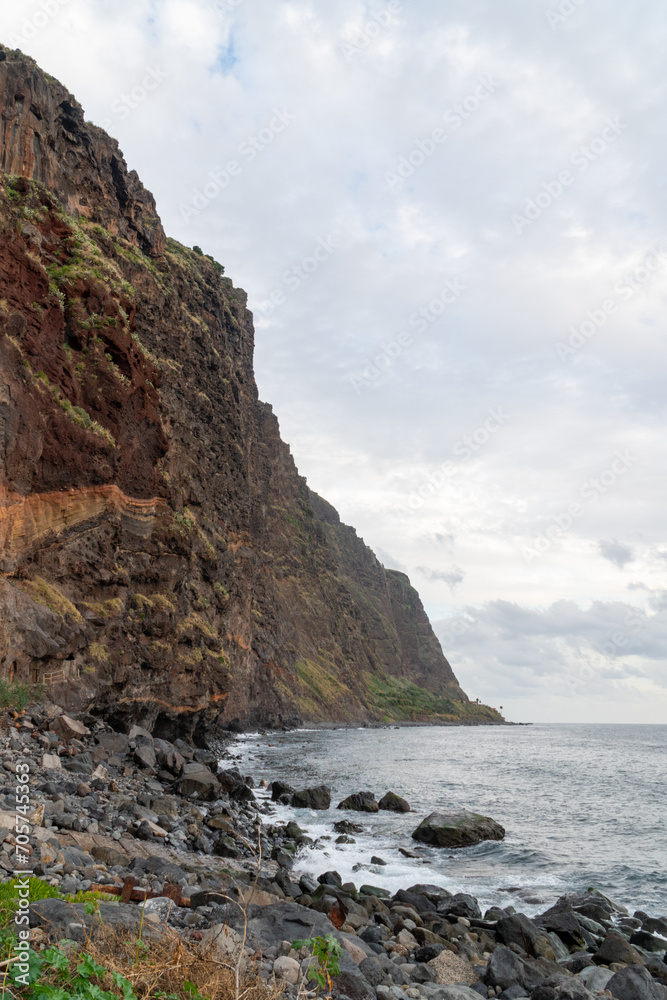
(161, 560)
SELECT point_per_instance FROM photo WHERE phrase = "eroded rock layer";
(162, 559)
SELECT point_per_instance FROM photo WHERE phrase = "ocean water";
(582, 805)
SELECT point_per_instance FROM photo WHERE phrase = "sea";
(582, 806)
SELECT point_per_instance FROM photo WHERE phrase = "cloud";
(616, 552)
(451, 577)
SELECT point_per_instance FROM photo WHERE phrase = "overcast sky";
(450, 221)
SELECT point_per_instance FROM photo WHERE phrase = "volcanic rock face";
(162, 559)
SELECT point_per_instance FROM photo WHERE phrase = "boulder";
(360, 802)
(635, 983)
(507, 969)
(330, 878)
(520, 930)
(449, 969)
(457, 992)
(344, 826)
(198, 782)
(561, 920)
(372, 971)
(595, 979)
(280, 788)
(417, 900)
(461, 905)
(454, 830)
(394, 803)
(223, 944)
(313, 798)
(145, 756)
(68, 729)
(649, 942)
(287, 969)
(616, 948)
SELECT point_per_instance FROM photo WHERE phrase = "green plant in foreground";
(78, 985)
(327, 951)
(14, 694)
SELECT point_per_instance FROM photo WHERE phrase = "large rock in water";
(312, 798)
(394, 803)
(464, 829)
(360, 802)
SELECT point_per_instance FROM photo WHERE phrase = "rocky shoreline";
(186, 843)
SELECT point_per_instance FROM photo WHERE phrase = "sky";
(450, 221)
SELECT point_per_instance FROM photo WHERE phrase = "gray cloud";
(616, 552)
(451, 577)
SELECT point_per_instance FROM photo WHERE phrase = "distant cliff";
(161, 559)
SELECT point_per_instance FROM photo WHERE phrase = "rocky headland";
(162, 563)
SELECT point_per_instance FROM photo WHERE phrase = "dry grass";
(168, 967)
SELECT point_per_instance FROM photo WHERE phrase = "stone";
(456, 992)
(394, 803)
(461, 905)
(507, 969)
(449, 969)
(616, 948)
(280, 788)
(520, 930)
(308, 884)
(198, 782)
(138, 734)
(223, 944)
(635, 983)
(372, 971)
(649, 942)
(318, 798)
(330, 878)
(454, 830)
(51, 762)
(353, 985)
(595, 979)
(161, 907)
(407, 939)
(360, 802)
(145, 756)
(344, 826)
(69, 729)
(287, 969)
(375, 860)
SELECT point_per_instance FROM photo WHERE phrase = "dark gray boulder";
(453, 830)
(394, 803)
(649, 942)
(461, 905)
(360, 802)
(198, 782)
(506, 969)
(372, 971)
(520, 930)
(635, 983)
(313, 798)
(280, 788)
(616, 948)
